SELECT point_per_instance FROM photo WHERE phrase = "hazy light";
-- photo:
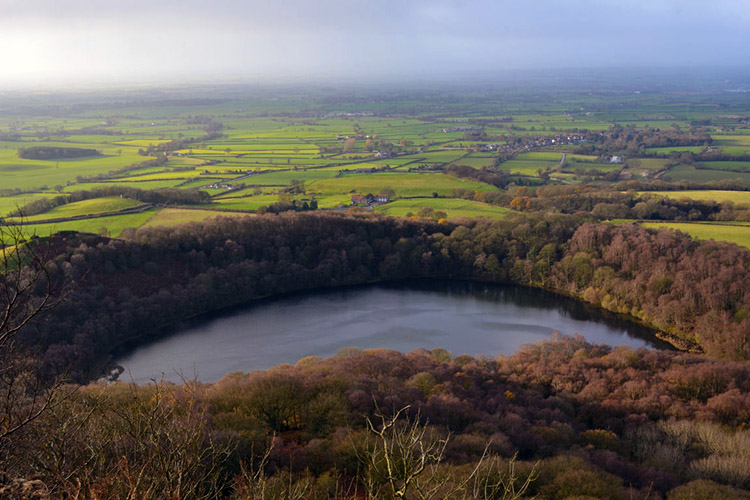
(52, 41)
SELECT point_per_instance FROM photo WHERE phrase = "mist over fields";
(51, 43)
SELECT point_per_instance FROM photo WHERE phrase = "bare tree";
(23, 268)
(253, 482)
(498, 479)
(27, 289)
(406, 461)
(408, 455)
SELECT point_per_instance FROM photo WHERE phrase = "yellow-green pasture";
(283, 178)
(403, 184)
(112, 225)
(169, 217)
(690, 173)
(158, 184)
(85, 207)
(21, 173)
(9, 204)
(527, 167)
(739, 234)
(452, 206)
(245, 202)
(739, 197)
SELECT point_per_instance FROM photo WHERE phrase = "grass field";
(246, 202)
(25, 174)
(474, 162)
(738, 141)
(404, 184)
(649, 164)
(737, 166)
(138, 185)
(679, 149)
(168, 217)
(112, 225)
(11, 203)
(182, 175)
(710, 195)
(291, 138)
(453, 207)
(527, 167)
(285, 177)
(719, 232)
(690, 173)
(85, 207)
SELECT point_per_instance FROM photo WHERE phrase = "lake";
(462, 317)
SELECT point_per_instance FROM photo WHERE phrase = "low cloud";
(143, 39)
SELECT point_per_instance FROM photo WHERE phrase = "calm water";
(465, 318)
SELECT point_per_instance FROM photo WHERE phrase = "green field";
(404, 184)
(246, 202)
(453, 207)
(649, 164)
(546, 156)
(720, 232)
(168, 217)
(285, 177)
(111, 225)
(690, 173)
(709, 195)
(312, 138)
(25, 174)
(85, 207)
(527, 167)
(9, 204)
(677, 149)
(138, 185)
(737, 166)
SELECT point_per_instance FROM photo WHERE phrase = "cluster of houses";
(365, 170)
(369, 198)
(218, 185)
(554, 141)
(461, 129)
(348, 114)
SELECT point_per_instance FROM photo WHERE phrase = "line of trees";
(55, 153)
(606, 203)
(136, 288)
(166, 196)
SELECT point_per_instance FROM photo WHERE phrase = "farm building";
(366, 199)
(362, 199)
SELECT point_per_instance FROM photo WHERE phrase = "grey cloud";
(352, 38)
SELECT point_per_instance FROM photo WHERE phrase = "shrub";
(703, 489)
(733, 469)
(600, 439)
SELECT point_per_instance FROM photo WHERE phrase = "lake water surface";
(463, 317)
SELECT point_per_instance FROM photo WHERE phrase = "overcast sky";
(59, 41)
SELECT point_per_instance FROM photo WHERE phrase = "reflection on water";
(463, 317)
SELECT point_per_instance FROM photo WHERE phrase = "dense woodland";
(55, 153)
(584, 420)
(634, 141)
(134, 289)
(626, 200)
(560, 419)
